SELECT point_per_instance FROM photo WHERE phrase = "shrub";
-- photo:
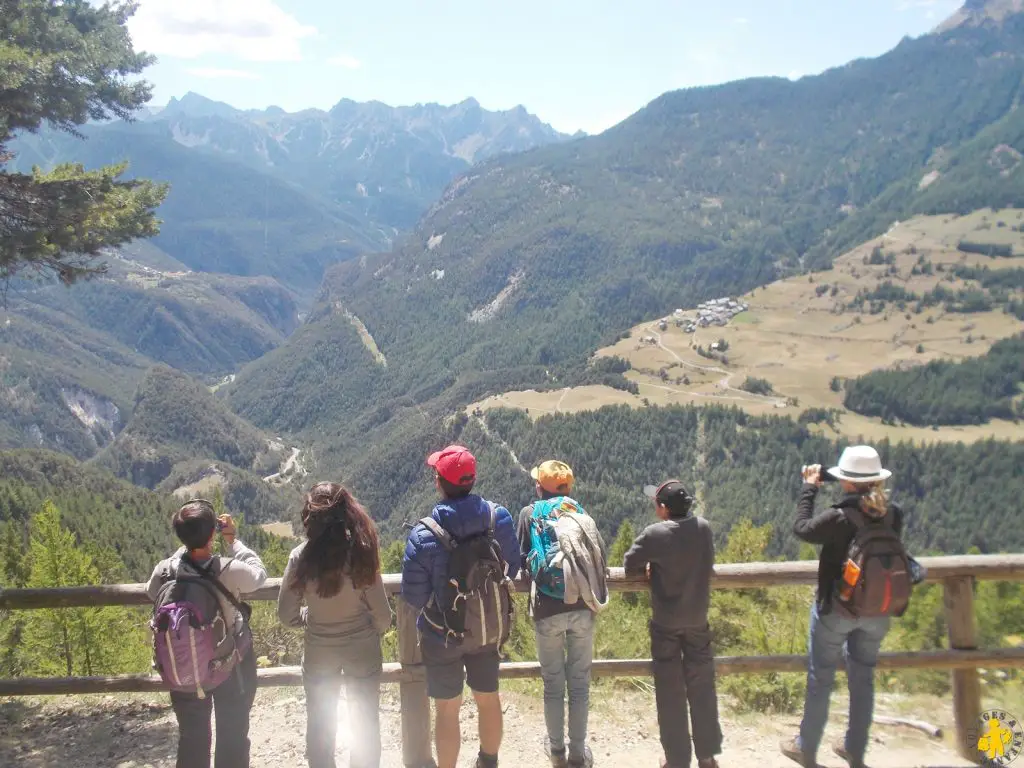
(757, 386)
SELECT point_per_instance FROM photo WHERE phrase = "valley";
(333, 291)
(235, 301)
(803, 333)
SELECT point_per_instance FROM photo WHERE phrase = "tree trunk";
(67, 648)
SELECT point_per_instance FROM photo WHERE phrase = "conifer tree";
(13, 575)
(623, 541)
(75, 641)
(64, 63)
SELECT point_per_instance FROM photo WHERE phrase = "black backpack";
(475, 605)
(876, 578)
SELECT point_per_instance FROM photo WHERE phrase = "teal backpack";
(545, 557)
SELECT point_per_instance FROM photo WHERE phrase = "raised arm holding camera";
(864, 578)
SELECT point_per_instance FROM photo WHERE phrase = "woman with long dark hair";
(333, 590)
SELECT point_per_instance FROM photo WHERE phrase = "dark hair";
(678, 506)
(340, 537)
(195, 523)
(546, 494)
(452, 491)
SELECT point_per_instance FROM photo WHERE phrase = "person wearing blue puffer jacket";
(456, 572)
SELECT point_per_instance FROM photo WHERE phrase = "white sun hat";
(860, 464)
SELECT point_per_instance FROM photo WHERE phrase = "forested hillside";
(101, 510)
(176, 419)
(739, 466)
(941, 392)
(529, 263)
(746, 467)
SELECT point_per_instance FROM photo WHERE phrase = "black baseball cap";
(672, 494)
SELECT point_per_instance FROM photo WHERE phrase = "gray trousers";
(684, 684)
(357, 664)
(565, 649)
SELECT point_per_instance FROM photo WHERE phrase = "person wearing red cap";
(463, 597)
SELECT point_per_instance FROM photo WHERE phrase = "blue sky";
(576, 64)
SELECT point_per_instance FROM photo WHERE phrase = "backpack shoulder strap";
(544, 507)
(208, 577)
(860, 520)
(492, 519)
(855, 515)
(439, 532)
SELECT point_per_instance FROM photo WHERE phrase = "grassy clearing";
(799, 334)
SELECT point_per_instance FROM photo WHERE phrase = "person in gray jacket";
(678, 554)
(332, 589)
(196, 525)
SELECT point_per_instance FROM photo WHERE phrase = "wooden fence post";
(958, 600)
(416, 744)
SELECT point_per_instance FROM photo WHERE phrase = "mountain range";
(287, 194)
(530, 262)
(261, 203)
(367, 272)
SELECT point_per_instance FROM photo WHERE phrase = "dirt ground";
(140, 732)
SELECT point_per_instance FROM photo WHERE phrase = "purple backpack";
(195, 647)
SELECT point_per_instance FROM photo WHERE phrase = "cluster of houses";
(714, 312)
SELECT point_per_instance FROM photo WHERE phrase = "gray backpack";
(475, 607)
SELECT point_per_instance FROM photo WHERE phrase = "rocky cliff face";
(977, 12)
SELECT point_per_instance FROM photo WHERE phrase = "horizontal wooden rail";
(727, 576)
(1002, 658)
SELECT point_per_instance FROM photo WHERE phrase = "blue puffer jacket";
(425, 565)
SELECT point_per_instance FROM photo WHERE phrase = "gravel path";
(138, 732)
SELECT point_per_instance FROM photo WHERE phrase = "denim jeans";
(684, 691)
(232, 701)
(357, 666)
(565, 649)
(831, 638)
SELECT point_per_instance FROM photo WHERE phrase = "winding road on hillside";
(291, 463)
(512, 454)
(725, 383)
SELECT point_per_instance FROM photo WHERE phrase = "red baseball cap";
(455, 464)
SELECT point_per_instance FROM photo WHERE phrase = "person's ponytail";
(874, 501)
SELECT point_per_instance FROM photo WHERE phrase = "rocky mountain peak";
(974, 13)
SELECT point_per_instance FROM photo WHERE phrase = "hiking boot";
(839, 747)
(587, 761)
(557, 756)
(795, 752)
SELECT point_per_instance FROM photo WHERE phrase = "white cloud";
(213, 73)
(742, 20)
(252, 30)
(345, 60)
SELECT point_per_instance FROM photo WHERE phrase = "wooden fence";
(956, 574)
